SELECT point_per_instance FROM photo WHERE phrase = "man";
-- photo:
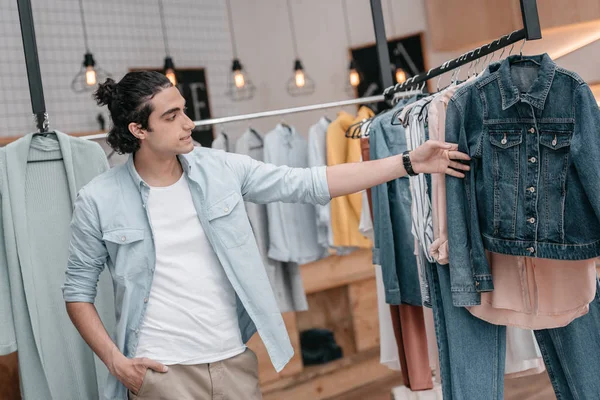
(190, 287)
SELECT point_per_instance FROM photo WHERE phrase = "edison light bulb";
(171, 76)
(90, 76)
(300, 78)
(238, 78)
(400, 75)
(354, 77)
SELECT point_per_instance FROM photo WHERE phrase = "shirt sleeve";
(585, 144)
(265, 183)
(87, 253)
(8, 342)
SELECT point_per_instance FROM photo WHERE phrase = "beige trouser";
(232, 379)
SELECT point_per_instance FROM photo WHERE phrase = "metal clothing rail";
(284, 111)
(531, 31)
(312, 107)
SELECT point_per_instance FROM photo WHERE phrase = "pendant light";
(90, 74)
(169, 66)
(300, 83)
(239, 87)
(354, 74)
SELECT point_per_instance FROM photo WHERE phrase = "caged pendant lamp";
(300, 83)
(239, 86)
(169, 65)
(90, 74)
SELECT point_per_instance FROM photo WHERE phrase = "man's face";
(169, 129)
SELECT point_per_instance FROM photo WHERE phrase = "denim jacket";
(394, 243)
(532, 130)
(111, 226)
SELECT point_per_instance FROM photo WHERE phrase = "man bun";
(106, 92)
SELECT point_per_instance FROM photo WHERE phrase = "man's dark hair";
(129, 101)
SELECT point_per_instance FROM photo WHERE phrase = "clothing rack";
(531, 31)
(294, 110)
(284, 111)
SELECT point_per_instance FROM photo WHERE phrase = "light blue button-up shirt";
(111, 227)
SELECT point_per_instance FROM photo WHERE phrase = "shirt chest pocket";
(125, 248)
(229, 220)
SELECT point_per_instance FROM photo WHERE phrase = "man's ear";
(137, 131)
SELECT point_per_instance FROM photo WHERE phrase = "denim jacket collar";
(137, 179)
(539, 90)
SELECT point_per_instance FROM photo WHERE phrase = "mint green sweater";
(36, 203)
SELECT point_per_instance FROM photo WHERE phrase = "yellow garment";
(345, 210)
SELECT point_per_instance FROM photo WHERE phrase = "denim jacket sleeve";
(265, 183)
(87, 253)
(467, 254)
(585, 145)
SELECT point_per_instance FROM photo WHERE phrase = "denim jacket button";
(476, 283)
(532, 130)
(532, 160)
(531, 189)
(530, 249)
(531, 220)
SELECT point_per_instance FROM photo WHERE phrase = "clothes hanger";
(45, 132)
(256, 135)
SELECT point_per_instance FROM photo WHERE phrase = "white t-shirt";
(191, 316)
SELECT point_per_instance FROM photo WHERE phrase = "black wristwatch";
(407, 164)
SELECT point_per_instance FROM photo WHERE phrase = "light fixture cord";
(346, 22)
(231, 33)
(164, 29)
(292, 28)
(392, 18)
(85, 36)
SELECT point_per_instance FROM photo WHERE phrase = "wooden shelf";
(332, 379)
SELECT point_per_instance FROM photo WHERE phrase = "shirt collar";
(538, 92)
(137, 179)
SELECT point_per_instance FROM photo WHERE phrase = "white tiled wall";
(122, 34)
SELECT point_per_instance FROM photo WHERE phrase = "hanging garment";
(406, 321)
(517, 302)
(536, 293)
(437, 131)
(522, 354)
(36, 206)
(394, 244)
(413, 118)
(285, 278)
(530, 129)
(571, 355)
(221, 142)
(345, 210)
(388, 349)
(317, 156)
(292, 227)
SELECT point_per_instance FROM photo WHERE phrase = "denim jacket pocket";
(555, 146)
(125, 248)
(229, 220)
(505, 171)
